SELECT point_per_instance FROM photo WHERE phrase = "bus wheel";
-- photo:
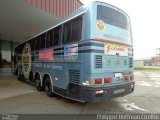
(38, 83)
(48, 87)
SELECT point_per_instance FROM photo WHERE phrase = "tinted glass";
(32, 43)
(42, 41)
(76, 29)
(57, 36)
(49, 41)
(111, 16)
(67, 32)
(37, 42)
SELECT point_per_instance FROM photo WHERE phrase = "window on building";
(76, 29)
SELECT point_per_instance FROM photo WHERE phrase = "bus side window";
(76, 29)
(42, 41)
(32, 43)
(49, 40)
(21, 48)
(67, 32)
(37, 43)
(57, 36)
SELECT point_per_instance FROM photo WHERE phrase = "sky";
(145, 23)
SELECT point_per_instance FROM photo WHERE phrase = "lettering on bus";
(48, 66)
(56, 67)
(71, 52)
(26, 60)
(46, 55)
(114, 49)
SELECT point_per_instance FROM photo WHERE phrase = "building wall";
(60, 8)
(5, 58)
(138, 63)
(6, 51)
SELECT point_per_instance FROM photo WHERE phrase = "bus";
(87, 57)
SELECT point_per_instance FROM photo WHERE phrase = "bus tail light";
(108, 80)
(131, 77)
(97, 81)
(126, 78)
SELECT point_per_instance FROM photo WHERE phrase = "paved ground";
(20, 97)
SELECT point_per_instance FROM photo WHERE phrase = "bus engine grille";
(130, 62)
(74, 76)
(98, 61)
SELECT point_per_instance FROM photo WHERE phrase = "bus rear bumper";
(91, 94)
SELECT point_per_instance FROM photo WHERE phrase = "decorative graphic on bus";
(71, 52)
(114, 49)
(47, 65)
(26, 60)
(100, 25)
(45, 55)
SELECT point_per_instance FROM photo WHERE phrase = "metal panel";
(63, 6)
(28, 1)
(98, 61)
(60, 8)
(67, 7)
(47, 5)
(74, 76)
(43, 4)
(34, 3)
(39, 5)
(55, 9)
(51, 9)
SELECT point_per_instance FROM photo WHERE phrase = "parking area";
(20, 97)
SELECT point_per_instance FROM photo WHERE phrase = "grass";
(146, 68)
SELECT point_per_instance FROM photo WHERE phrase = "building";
(138, 63)
(22, 19)
(156, 60)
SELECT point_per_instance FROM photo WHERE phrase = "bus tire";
(48, 87)
(38, 83)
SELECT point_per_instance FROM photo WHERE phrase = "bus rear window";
(112, 17)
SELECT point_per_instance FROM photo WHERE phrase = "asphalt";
(19, 97)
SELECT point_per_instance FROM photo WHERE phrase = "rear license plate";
(119, 91)
(119, 75)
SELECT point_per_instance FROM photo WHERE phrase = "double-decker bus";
(87, 57)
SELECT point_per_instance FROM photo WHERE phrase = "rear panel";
(108, 57)
(111, 53)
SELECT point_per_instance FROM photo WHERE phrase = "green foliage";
(146, 68)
